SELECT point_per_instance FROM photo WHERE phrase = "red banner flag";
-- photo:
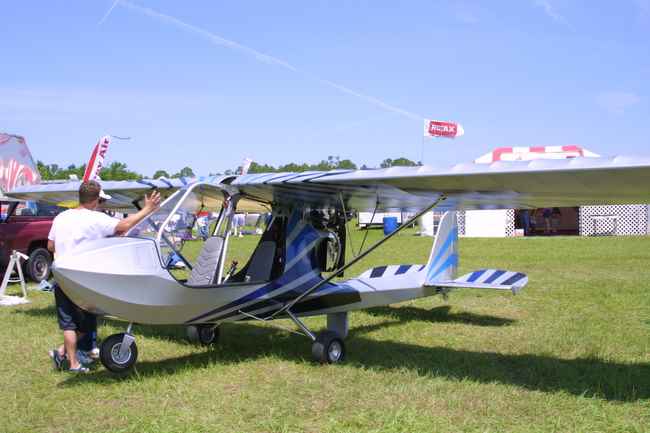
(97, 159)
(439, 128)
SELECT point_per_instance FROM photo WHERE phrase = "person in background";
(556, 218)
(202, 226)
(546, 214)
(238, 221)
(73, 228)
(525, 221)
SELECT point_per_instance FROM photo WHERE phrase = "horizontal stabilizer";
(487, 279)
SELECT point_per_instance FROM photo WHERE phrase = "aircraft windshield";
(181, 226)
(149, 226)
(192, 231)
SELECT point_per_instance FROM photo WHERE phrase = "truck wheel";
(39, 264)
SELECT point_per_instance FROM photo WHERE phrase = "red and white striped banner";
(16, 164)
(96, 162)
(439, 128)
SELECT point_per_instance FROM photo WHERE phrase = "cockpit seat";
(261, 264)
(204, 272)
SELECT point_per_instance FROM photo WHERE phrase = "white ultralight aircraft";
(292, 271)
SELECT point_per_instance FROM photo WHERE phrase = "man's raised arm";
(151, 204)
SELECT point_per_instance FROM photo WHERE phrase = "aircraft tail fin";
(443, 261)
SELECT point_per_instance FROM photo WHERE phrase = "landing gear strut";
(327, 346)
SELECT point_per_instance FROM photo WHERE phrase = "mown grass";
(570, 353)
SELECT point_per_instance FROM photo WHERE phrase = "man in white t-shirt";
(69, 230)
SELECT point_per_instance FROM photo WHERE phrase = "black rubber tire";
(328, 348)
(208, 335)
(39, 265)
(110, 349)
(192, 333)
(204, 335)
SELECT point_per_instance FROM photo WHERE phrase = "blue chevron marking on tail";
(443, 261)
(487, 279)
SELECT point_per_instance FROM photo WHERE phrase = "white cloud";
(617, 102)
(552, 13)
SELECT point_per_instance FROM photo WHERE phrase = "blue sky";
(206, 83)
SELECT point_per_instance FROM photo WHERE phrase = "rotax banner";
(439, 128)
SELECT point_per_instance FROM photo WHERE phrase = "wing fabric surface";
(525, 184)
(501, 185)
(122, 193)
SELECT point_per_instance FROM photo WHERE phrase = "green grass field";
(570, 353)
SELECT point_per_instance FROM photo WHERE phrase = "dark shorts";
(71, 317)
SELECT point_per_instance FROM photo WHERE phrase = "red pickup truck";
(24, 228)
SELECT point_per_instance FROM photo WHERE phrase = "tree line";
(113, 171)
(120, 171)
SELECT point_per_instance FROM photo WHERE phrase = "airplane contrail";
(264, 58)
(108, 12)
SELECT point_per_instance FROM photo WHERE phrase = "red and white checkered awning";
(535, 152)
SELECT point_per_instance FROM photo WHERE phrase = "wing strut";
(370, 249)
(365, 235)
(345, 220)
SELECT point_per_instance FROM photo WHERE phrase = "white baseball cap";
(103, 195)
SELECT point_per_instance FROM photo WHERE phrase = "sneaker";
(84, 358)
(45, 286)
(94, 354)
(57, 359)
(80, 369)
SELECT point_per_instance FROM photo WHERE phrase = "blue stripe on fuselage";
(300, 269)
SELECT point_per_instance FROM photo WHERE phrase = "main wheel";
(110, 354)
(39, 264)
(203, 334)
(328, 348)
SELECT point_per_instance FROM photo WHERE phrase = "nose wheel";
(118, 353)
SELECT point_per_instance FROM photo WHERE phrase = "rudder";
(443, 261)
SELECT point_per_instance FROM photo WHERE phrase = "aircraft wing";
(122, 192)
(500, 185)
